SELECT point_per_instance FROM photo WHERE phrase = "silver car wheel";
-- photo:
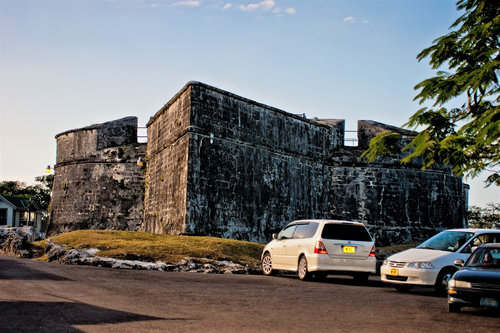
(267, 264)
(442, 281)
(446, 279)
(303, 273)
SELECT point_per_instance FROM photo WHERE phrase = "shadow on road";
(340, 279)
(15, 270)
(61, 316)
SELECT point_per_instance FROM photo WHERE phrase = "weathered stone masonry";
(221, 165)
(97, 183)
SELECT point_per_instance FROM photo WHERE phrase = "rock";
(15, 241)
(16, 245)
(72, 257)
(54, 251)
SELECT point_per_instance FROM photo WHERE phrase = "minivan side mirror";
(459, 262)
(275, 236)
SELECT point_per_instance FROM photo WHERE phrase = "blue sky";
(66, 64)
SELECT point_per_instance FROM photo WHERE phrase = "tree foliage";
(488, 217)
(466, 137)
(40, 192)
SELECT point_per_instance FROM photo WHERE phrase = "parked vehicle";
(432, 262)
(316, 248)
(477, 283)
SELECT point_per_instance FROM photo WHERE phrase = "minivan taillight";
(372, 252)
(320, 248)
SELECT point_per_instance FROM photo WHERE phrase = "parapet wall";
(231, 117)
(368, 129)
(235, 168)
(97, 182)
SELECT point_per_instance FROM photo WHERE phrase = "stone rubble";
(61, 254)
(15, 240)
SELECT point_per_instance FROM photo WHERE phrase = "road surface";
(48, 297)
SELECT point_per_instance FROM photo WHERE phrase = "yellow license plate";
(349, 249)
(394, 272)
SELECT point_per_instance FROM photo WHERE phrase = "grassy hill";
(153, 247)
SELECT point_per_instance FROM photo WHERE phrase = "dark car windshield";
(353, 232)
(485, 257)
(446, 241)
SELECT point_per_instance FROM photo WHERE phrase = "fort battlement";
(222, 165)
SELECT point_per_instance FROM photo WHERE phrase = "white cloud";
(188, 3)
(365, 21)
(349, 19)
(290, 11)
(263, 5)
(227, 6)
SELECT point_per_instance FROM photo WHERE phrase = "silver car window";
(446, 241)
(306, 230)
(287, 232)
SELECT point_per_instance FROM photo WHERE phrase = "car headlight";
(421, 265)
(386, 261)
(459, 284)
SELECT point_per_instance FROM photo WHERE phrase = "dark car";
(477, 283)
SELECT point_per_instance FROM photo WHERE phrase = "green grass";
(153, 247)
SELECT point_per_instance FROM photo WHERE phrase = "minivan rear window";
(346, 232)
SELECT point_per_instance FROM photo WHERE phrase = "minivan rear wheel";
(303, 273)
(267, 265)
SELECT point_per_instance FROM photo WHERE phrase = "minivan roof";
(324, 221)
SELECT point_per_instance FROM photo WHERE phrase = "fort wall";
(248, 169)
(218, 164)
(97, 182)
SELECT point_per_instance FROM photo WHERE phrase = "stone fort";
(221, 165)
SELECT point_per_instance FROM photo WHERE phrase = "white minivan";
(316, 248)
(432, 262)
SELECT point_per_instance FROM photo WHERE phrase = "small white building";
(16, 211)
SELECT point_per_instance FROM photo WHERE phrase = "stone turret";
(97, 182)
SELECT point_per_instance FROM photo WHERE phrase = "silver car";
(432, 262)
(316, 248)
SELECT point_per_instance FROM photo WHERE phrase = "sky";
(66, 64)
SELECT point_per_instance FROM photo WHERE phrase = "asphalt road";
(47, 297)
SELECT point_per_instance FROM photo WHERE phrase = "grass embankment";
(155, 247)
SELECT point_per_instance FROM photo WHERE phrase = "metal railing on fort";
(350, 138)
(142, 134)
